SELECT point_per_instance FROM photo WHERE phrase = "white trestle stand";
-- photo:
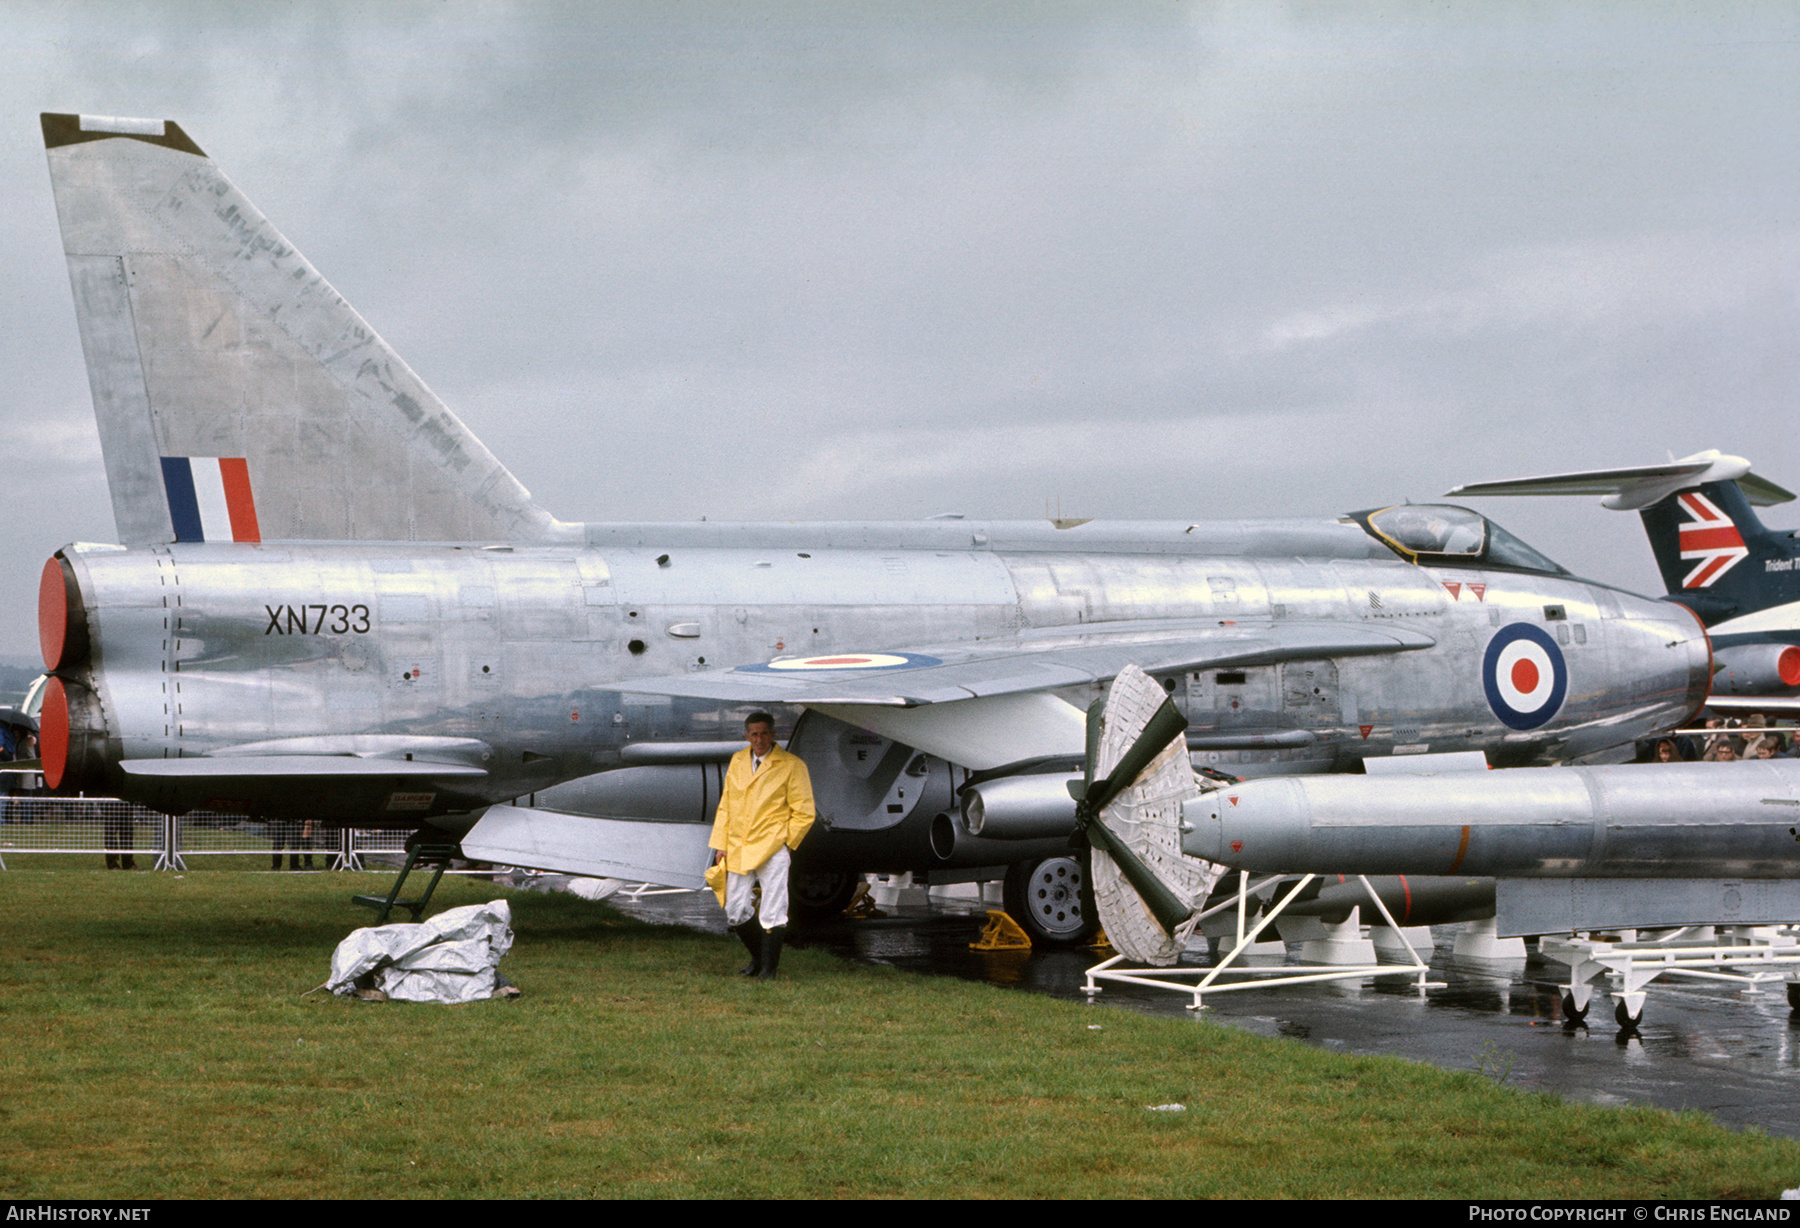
(1200, 981)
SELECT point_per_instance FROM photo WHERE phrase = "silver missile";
(1699, 820)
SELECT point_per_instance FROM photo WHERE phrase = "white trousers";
(740, 905)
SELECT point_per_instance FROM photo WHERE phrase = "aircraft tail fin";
(1715, 554)
(238, 396)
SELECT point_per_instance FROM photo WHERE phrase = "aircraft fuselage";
(496, 660)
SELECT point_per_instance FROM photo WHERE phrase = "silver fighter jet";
(331, 601)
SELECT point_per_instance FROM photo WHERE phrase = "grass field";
(158, 1042)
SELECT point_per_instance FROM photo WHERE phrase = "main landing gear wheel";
(1052, 899)
(1573, 1016)
(818, 895)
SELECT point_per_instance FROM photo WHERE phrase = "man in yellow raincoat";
(766, 810)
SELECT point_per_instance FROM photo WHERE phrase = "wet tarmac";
(1732, 1054)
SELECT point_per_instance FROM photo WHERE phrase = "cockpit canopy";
(1442, 535)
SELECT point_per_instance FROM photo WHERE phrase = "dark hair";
(759, 718)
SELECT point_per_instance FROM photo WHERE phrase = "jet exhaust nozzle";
(72, 736)
(1756, 669)
(62, 617)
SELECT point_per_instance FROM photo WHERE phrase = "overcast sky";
(1136, 260)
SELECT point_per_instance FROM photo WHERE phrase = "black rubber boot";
(771, 952)
(751, 935)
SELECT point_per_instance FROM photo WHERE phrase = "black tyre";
(818, 895)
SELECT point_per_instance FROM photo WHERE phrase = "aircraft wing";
(989, 704)
(1038, 660)
(286, 767)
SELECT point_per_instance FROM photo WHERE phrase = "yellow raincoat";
(759, 813)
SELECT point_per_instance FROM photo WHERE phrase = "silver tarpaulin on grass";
(453, 957)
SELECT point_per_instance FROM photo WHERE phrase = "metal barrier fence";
(121, 833)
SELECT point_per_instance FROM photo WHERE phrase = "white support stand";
(641, 890)
(960, 893)
(1183, 980)
(168, 851)
(1747, 957)
(1481, 940)
(1228, 931)
(345, 857)
(1340, 945)
(888, 889)
(1395, 945)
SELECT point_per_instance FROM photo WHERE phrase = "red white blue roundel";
(1524, 675)
(843, 661)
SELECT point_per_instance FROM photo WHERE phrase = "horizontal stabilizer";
(298, 766)
(1634, 489)
(337, 789)
(668, 854)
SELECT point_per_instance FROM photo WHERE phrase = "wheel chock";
(862, 906)
(1101, 942)
(1001, 934)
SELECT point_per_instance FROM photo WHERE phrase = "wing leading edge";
(1040, 660)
